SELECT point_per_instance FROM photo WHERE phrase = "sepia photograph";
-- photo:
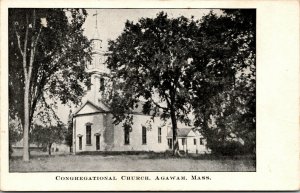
(149, 95)
(132, 90)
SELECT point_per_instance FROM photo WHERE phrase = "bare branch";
(18, 39)
(39, 33)
(26, 36)
(39, 87)
(38, 36)
(25, 50)
(32, 48)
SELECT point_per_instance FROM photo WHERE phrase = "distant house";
(56, 147)
(19, 145)
(189, 141)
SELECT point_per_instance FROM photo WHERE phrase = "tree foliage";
(179, 65)
(225, 102)
(45, 136)
(151, 60)
(69, 131)
(47, 56)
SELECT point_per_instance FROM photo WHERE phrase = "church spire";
(96, 32)
(97, 67)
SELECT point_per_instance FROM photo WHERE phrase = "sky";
(111, 22)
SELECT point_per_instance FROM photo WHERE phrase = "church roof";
(138, 108)
(97, 108)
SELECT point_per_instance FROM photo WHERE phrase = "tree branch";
(26, 36)
(37, 38)
(158, 105)
(32, 50)
(33, 105)
(18, 39)
(50, 108)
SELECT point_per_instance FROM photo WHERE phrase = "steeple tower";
(97, 67)
(98, 57)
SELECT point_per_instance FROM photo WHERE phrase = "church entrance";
(97, 142)
(80, 143)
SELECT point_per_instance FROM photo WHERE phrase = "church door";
(98, 142)
(80, 143)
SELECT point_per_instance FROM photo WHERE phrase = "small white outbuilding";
(189, 140)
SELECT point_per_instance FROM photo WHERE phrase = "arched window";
(101, 85)
(126, 135)
(159, 134)
(80, 142)
(170, 143)
(88, 134)
(201, 141)
(101, 60)
(183, 141)
(89, 84)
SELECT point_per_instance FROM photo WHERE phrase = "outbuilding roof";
(181, 132)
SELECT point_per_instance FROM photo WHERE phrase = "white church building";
(93, 128)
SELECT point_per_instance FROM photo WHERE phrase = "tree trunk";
(26, 123)
(174, 129)
(49, 148)
(27, 78)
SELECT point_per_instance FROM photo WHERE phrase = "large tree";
(151, 60)
(47, 56)
(181, 65)
(224, 101)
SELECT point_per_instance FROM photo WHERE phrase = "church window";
(88, 135)
(195, 141)
(159, 134)
(144, 135)
(170, 144)
(201, 141)
(126, 135)
(89, 85)
(101, 60)
(101, 84)
(183, 141)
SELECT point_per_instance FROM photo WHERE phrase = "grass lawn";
(116, 162)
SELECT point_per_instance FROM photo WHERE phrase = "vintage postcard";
(149, 95)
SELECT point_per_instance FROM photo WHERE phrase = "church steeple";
(98, 58)
(96, 32)
(96, 41)
(97, 67)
